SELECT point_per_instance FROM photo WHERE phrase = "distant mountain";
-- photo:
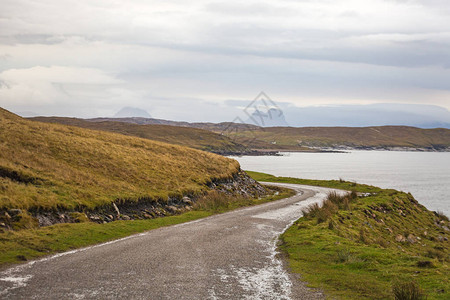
(422, 116)
(129, 112)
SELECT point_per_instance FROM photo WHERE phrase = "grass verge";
(18, 246)
(383, 245)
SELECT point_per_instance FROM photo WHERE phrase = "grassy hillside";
(301, 139)
(46, 166)
(185, 136)
(367, 247)
(358, 137)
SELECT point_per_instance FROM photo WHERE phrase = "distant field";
(48, 166)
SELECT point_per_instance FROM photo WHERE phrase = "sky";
(203, 60)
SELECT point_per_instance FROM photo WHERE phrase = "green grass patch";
(336, 184)
(378, 246)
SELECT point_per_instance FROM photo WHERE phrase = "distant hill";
(380, 137)
(293, 138)
(51, 166)
(128, 111)
(185, 136)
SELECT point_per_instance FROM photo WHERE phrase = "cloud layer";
(181, 59)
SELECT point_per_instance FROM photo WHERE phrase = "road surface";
(227, 256)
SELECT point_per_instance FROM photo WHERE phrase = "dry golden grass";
(45, 166)
(184, 136)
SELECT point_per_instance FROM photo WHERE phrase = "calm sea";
(425, 174)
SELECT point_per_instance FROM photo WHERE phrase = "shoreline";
(277, 152)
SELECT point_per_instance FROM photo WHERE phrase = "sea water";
(425, 174)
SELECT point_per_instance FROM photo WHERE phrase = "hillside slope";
(52, 166)
(185, 136)
(384, 137)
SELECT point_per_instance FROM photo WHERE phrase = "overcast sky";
(191, 60)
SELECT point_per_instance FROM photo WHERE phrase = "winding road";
(227, 256)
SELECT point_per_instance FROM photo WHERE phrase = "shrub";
(407, 291)
(311, 211)
(342, 201)
(425, 264)
(343, 256)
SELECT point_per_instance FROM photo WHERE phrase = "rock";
(187, 200)
(14, 212)
(445, 228)
(95, 218)
(411, 239)
(7, 216)
(390, 230)
(400, 238)
(172, 209)
(111, 217)
(147, 216)
(44, 221)
(125, 217)
(62, 216)
(440, 238)
(425, 233)
(2, 224)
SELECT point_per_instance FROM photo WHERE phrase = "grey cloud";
(316, 51)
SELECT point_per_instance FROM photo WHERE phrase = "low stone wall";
(146, 208)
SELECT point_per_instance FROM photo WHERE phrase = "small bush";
(342, 201)
(425, 264)
(382, 242)
(343, 256)
(331, 225)
(407, 291)
(79, 217)
(25, 221)
(311, 211)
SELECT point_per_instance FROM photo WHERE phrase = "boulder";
(411, 239)
(147, 216)
(14, 212)
(400, 238)
(172, 209)
(187, 200)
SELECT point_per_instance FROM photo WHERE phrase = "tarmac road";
(227, 256)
